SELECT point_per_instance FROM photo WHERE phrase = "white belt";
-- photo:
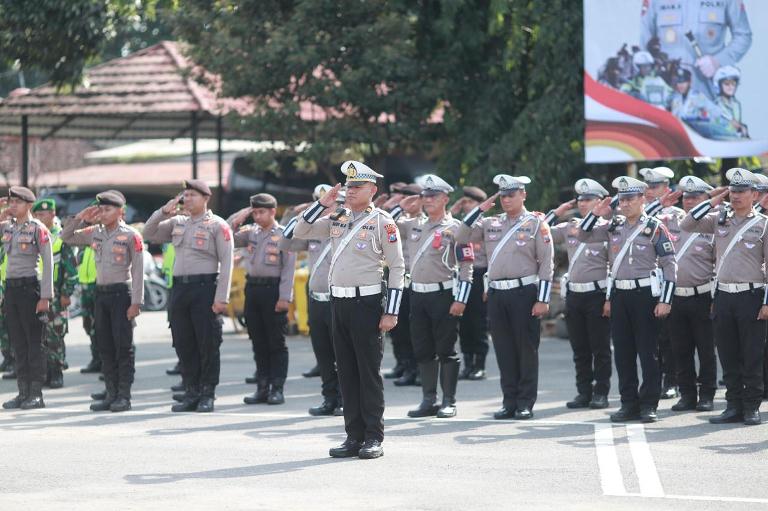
(431, 288)
(354, 292)
(738, 288)
(587, 286)
(513, 283)
(632, 283)
(320, 297)
(694, 291)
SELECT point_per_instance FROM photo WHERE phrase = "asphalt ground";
(276, 457)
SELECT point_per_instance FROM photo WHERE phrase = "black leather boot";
(56, 377)
(580, 401)
(20, 398)
(395, 372)
(409, 376)
(260, 396)
(35, 397)
(328, 407)
(107, 398)
(685, 404)
(427, 407)
(191, 399)
(730, 415)
(98, 396)
(626, 413)
(207, 396)
(94, 366)
(312, 373)
(468, 367)
(276, 396)
(449, 378)
(173, 371)
(121, 404)
(479, 368)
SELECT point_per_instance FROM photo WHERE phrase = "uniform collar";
(202, 217)
(515, 218)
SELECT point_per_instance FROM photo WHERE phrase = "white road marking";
(704, 498)
(611, 479)
(648, 477)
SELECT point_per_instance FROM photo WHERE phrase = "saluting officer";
(586, 309)
(25, 240)
(268, 296)
(741, 300)
(473, 324)
(118, 251)
(520, 267)
(441, 279)
(319, 309)
(641, 286)
(202, 274)
(363, 238)
(690, 324)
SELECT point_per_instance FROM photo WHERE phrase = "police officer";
(696, 32)
(268, 295)
(319, 309)
(690, 324)
(659, 200)
(741, 302)
(362, 239)
(86, 275)
(202, 273)
(64, 283)
(639, 247)
(118, 250)
(520, 267)
(473, 324)
(441, 279)
(26, 298)
(405, 371)
(586, 309)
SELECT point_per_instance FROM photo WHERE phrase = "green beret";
(44, 205)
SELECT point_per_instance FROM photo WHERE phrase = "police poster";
(666, 79)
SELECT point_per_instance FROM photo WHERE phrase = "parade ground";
(276, 457)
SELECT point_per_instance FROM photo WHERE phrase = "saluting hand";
(764, 202)
(458, 206)
(240, 217)
(489, 202)
(719, 197)
(388, 322)
(329, 199)
(89, 215)
(170, 206)
(133, 311)
(670, 198)
(407, 202)
(603, 207)
(392, 201)
(565, 207)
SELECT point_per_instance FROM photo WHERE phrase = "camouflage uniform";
(64, 282)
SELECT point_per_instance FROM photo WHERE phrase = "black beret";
(22, 193)
(474, 193)
(111, 198)
(411, 189)
(263, 200)
(198, 186)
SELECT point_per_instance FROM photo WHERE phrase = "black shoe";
(11, 374)
(752, 418)
(425, 409)
(669, 392)
(14, 403)
(57, 379)
(189, 404)
(102, 405)
(350, 448)
(648, 414)
(338, 411)
(371, 449)
(179, 396)
(504, 413)
(327, 408)
(706, 404)
(467, 367)
(205, 405)
(101, 377)
(312, 373)
(276, 396)
(99, 396)
(5, 365)
(32, 402)
(685, 404)
(447, 411)
(477, 374)
(173, 371)
(729, 415)
(395, 372)
(626, 413)
(121, 404)
(259, 397)
(94, 366)
(408, 378)
(598, 402)
(523, 414)
(178, 387)
(580, 401)
(250, 380)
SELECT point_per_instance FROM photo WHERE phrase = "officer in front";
(268, 295)
(27, 297)
(520, 268)
(741, 299)
(641, 286)
(586, 309)
(363, 239)
(202, 274)
(441, 279)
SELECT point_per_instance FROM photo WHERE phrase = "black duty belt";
(263, 281)
(117, 287)
(20, 281)
(195, 279)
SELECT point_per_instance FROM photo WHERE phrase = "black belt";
(117, 287)
(20, 281)
(263, 281)
(195, 279)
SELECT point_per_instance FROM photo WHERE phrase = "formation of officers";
(663, 285)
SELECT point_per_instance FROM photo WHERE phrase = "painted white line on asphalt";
(704, 498)
(648, 477)
(611, 479)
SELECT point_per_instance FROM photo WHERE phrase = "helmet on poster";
(682, 75)
(726, 73)
(642, 58)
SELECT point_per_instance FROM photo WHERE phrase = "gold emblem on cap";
(351, 170)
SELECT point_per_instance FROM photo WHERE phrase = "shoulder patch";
(226, 231)
(138, 243)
